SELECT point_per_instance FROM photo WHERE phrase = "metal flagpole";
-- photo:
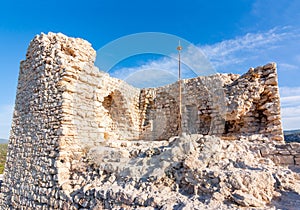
(179, 48)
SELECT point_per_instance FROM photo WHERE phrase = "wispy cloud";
(151, 74)
(164, 70)
(242, 49)
(289, 91)
(291, 117)
(287, 66)
(233, 55)
(290, 107)
(6, 112)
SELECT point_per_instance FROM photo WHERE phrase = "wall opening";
(205, 124)
(107, 102)
(118, 111)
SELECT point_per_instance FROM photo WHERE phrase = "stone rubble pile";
(190, 172)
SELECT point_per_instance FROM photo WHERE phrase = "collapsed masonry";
(66, 107)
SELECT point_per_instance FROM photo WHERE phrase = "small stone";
(270, 66)
(271, 81)
(246, 200)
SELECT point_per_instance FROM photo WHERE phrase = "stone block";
(297, 160)
(286, 160)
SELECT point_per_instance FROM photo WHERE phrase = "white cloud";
(289, 91)
(290, 107)
(151, 78)
(290, 118)
(160, 64)
(6, 112)
(244, 48)
(165, 70)
(290, 101)
(151, 74)
(287, 66)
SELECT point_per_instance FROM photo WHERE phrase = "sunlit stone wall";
(65, 106)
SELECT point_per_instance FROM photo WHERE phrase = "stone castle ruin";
(70, 118)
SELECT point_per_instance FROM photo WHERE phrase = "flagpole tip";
(179, 46)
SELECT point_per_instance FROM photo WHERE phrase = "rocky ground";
(190, 172)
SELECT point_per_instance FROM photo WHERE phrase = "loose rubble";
(200, 172)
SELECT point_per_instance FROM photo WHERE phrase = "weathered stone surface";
(83, 140)
(297, 161)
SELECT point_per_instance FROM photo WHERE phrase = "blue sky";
(234, 35)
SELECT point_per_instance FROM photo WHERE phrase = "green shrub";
(3, 151)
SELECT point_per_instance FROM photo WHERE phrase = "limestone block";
(270, 66)
(284, 159)
(271, 81)
(245, 199)
(278, 137)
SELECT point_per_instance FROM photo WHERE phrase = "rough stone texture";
(222, 104)
(83, 140)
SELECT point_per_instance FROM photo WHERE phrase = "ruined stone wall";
(254, 103)
(198, 103)
(223, 104)
(65, 107)
(31, 170)
(283, 154)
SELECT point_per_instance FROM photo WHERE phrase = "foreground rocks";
(191, 172)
